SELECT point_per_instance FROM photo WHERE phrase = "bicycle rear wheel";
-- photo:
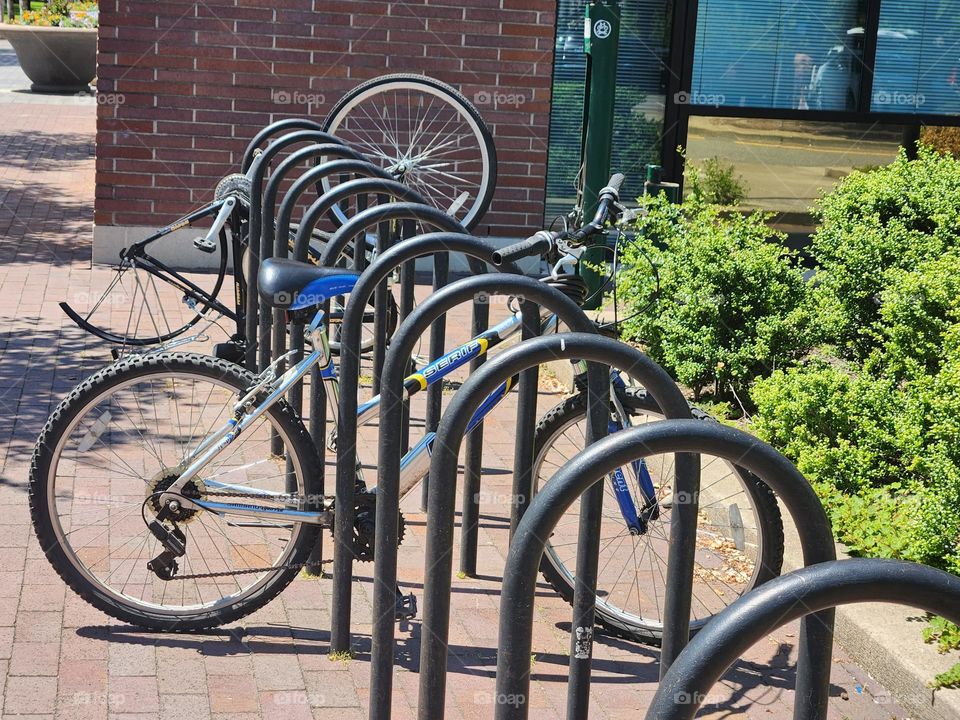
(141, 306)
(118, 441)
(428, 135)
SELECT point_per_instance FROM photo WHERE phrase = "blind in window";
(779, 54)
(918, 57)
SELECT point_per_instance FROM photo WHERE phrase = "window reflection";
(799, 56)
(918, 57)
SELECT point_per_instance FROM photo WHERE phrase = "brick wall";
(185, 85)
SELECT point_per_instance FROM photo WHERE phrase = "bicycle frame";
(414, 466)
(201, 301)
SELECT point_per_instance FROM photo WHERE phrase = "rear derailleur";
(174, 542)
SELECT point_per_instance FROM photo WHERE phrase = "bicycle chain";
(248, 571)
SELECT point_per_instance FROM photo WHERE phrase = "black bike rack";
(533, 293)
(418, 212)
(352, 188)
(254, 247)
(286, 125)
(583, 471)
(274, 224)
(377, 181)
(271, 246)
(414, 210)
(480, 253)
(785, 599)
(440, 513)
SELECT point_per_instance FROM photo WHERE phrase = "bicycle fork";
(636, 515)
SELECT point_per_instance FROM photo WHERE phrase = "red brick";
(199, 81)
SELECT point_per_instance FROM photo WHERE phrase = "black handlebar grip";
(536, 245)
(612, 190)
(616, 182)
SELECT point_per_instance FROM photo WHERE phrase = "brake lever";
(569, 258)
(631, 215)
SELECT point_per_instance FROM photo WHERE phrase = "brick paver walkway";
(60, 658)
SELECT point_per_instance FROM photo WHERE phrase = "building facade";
(184, 86)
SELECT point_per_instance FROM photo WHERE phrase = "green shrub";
(917, 310)
(840, 428)
(946, 635)
(873, 224)
(729, 300)
(883, 457)
(717, 183)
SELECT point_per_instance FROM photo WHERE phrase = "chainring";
(364, 524)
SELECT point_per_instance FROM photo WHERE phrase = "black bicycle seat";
(284, 283)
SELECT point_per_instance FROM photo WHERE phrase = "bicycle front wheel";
(428, 135)
(739, 536)
(139, 307)
(121, 438)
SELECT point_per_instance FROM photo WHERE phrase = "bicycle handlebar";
(613, 187)
(538, 244)
(544, 241)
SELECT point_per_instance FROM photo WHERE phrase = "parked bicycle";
(421, 131)
(156, 496)
(740, 532)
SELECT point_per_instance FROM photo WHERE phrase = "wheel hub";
(163, 481)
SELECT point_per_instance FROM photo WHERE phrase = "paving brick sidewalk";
(60, 658)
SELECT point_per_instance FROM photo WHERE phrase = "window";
(918, 57)
(778, 54)
(641, 87)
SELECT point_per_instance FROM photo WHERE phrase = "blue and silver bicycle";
(178, 491)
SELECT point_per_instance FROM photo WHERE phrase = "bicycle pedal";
(231, 351)
(204, 244)
(406, 607)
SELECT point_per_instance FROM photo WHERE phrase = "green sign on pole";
(601, 39)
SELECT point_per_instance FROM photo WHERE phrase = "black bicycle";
(418, 130)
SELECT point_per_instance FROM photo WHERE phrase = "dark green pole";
(601, 34)
(601, 37)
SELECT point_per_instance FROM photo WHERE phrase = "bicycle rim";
(632, 568)
(428, 135)
(138, 308)
(122, 447)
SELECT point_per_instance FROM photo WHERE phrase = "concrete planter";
(57, 60)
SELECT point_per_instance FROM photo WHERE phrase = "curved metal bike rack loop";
(254, 246)
(583, 471)
(391, 408)
(272, 220)
(443, 476)
(414, 209)
(425, 215)
(276, 226)
(370, 180)
(275, 129)
(404, 252)
(441, 265)
(785, 599)
(351, 188)
(269, 246)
